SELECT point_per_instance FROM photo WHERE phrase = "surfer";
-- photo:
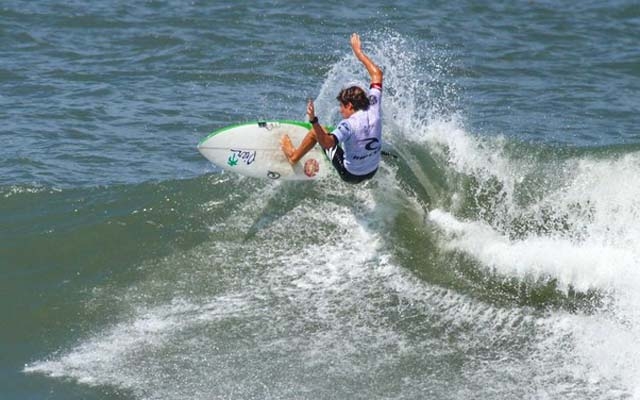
(355, 145)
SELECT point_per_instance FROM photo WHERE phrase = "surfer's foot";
(287, 148)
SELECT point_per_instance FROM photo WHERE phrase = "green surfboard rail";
(305, 125)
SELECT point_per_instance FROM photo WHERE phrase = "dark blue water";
(495, 257)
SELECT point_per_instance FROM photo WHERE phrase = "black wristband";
(314, 120)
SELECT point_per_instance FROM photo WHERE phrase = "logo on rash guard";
(372, 144)
(344, 128)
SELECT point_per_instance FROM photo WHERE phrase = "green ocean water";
(496, 257)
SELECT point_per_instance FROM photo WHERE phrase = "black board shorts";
(336, 155)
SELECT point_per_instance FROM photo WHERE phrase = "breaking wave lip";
(581, 228)
(581, 266)
(577, 225)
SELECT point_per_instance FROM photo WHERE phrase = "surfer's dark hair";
(354, 95)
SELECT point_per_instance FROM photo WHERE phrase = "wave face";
(480, 262)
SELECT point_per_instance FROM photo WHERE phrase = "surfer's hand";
(356, 45)
(311, 110)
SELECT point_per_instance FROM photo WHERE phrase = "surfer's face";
(346, 110)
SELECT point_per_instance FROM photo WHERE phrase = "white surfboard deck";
(253, 149)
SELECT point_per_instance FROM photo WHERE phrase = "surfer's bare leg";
(294, 155)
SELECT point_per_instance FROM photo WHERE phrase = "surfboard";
(253, 149)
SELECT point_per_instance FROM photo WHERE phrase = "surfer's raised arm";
(374, 71)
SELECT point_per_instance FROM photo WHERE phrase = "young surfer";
(355, 145)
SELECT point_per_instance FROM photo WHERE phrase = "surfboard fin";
(387, 154)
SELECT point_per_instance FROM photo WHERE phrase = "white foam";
(107, 357)
(590, 239)
(295, 295)
(582, 266)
